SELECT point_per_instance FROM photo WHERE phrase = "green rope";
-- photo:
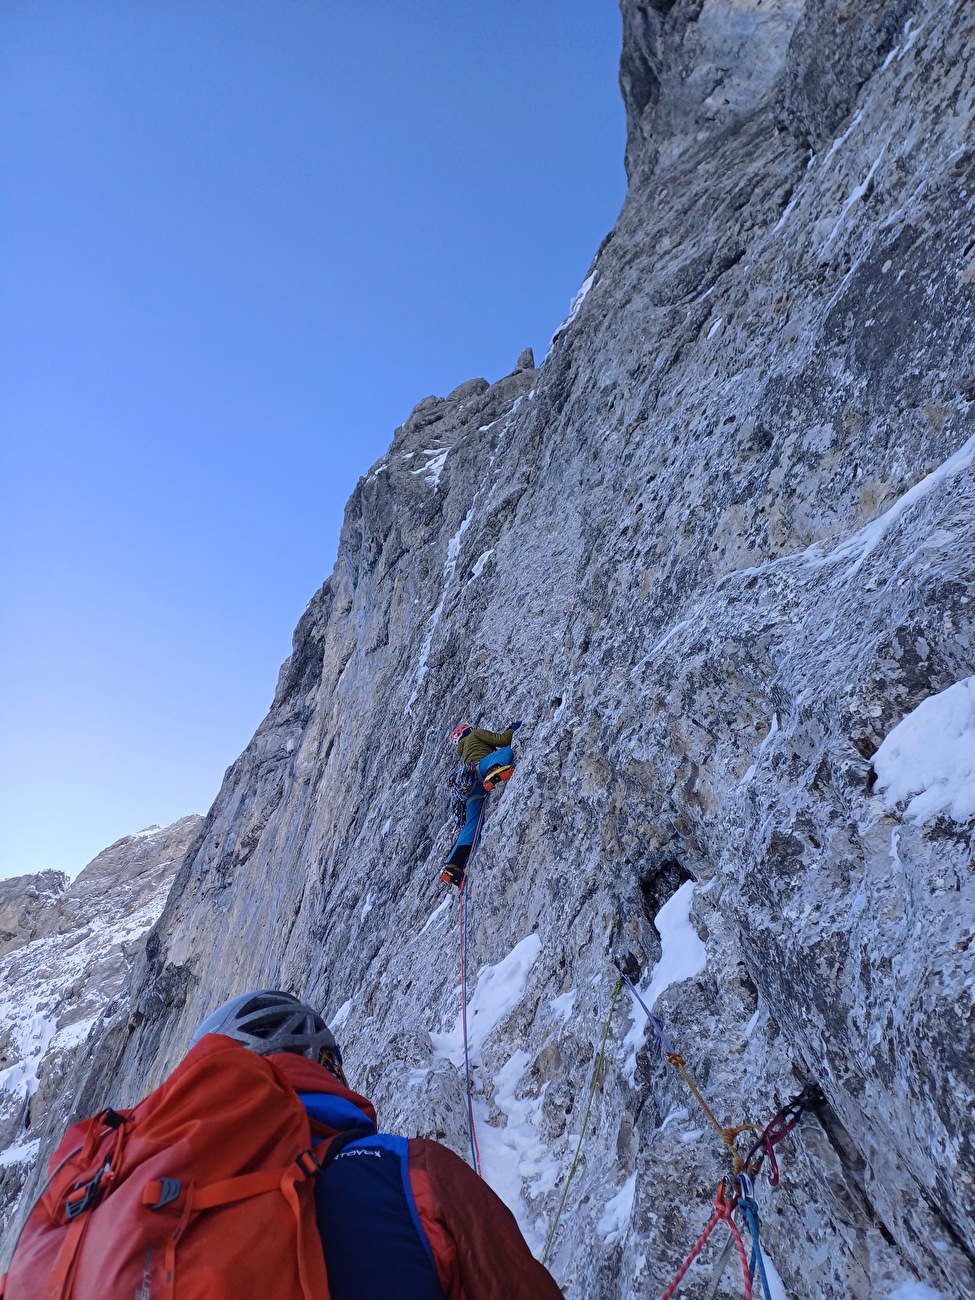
(585, 1119)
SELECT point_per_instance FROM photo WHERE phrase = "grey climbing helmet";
(267, 1021)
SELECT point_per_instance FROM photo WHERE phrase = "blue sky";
(239, 240)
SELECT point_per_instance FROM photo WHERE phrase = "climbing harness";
(585, 1118)
(723, 1208)
(462, 892)
(462, 781)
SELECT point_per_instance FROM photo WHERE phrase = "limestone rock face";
(26, 902)
(713, 550)
(67, 951)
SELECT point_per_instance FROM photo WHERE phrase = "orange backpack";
(204, 1191)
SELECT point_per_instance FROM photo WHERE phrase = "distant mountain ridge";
(66, 949)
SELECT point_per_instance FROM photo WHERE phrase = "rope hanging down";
(461, 892)
(749, 1208)
(585, 1118)
(723, 1208)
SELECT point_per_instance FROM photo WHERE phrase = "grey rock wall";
(26, 902)
(713, 550)
(67, 952)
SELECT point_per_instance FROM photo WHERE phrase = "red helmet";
(460, 730)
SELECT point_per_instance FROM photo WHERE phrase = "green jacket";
(480, 743)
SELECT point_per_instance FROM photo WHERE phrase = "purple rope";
(664, 1047)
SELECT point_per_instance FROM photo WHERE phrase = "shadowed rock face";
(712, 550)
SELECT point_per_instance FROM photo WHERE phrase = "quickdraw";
(664, 1047)
(781, 1124)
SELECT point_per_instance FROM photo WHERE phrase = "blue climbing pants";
(500, 758)
(465, 840)
(475, 803)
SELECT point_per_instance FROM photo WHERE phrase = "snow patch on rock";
(498, 991)
(616, 1216)
(433, 468)
(682, 956)
(562, 1006)
(480, 562)
(515, 1160)
(575, 306)
(929, 757)
(914, 1291)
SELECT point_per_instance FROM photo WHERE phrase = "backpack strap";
(59, 1282)
(309, 1164)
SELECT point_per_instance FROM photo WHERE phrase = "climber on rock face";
(490, 750)
(485, 760)
(221, 1177)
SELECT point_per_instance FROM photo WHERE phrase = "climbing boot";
(452, 875)
(497, 775)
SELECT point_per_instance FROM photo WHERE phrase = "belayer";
(255, 1173)
(485, 760)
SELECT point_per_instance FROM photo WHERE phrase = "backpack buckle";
(308, 1164)
(86, 1195)
(161, 1192)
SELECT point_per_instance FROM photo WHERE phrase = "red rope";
(722, 1210)
(475, 1150)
